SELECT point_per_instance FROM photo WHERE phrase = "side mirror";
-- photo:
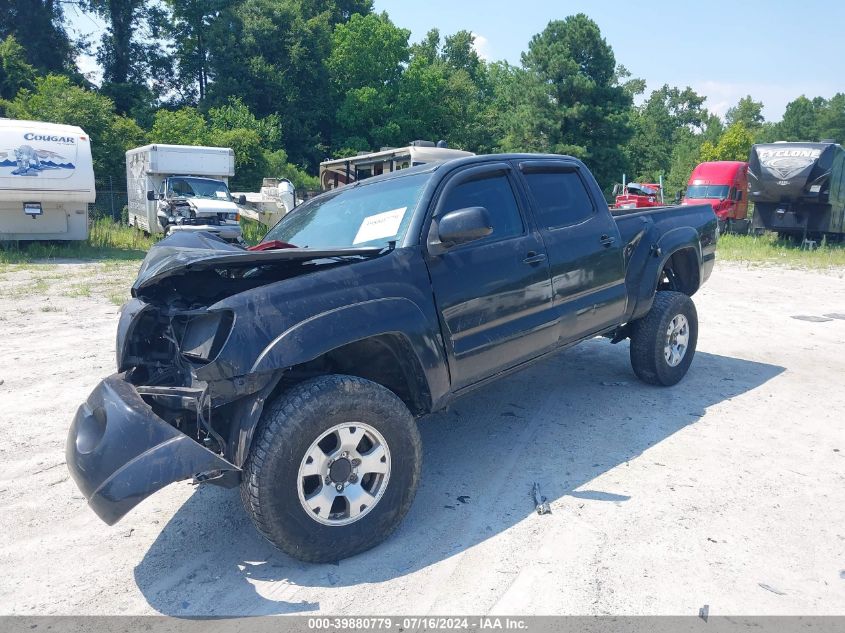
(242, 199)
(617, 189)
(464, 225)
(678, 197)
(152, 195)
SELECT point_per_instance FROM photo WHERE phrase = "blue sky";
(773, 50)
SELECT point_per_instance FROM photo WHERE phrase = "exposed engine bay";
(172, 332)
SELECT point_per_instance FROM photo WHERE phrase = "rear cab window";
(559, 195)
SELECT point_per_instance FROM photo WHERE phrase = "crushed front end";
(187, 397)
(158, 421)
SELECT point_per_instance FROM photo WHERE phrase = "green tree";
(55, 99)
(686, 151)
(748, 112)
(254, 141)
(800, 120)
(735, 144)
(460, 54)
(130, 52)
(271, 53)
(831, 119)
(234, 115)
(188, 27)
(185, 126)
(365, 67)
(38, 26)
(570, 98)
(446, 93)
(669, 115)
(15, 72)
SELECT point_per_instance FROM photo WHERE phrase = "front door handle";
(607, 240)
(534, 258)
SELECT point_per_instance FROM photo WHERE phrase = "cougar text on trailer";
(46, 181)
(798, 188)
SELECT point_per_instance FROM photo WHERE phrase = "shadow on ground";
(562, 423)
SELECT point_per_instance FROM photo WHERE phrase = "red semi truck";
(724, 186)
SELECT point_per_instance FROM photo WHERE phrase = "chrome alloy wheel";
(677, 340)
(344, 474)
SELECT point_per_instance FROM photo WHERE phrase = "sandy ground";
(727, 490)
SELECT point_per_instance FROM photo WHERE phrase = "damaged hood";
(209, 206)
(185, 251)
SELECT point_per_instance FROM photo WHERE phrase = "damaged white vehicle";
(197, 204)
(182, 188)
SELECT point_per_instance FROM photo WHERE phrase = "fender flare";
(329, 330)
(669, 243)
(323, 332)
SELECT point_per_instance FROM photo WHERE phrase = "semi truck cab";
(724, 186)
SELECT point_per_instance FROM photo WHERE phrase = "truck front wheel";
(333, 468)
(663, 341)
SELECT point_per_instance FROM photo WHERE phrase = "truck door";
(493, 295)
(583, 244)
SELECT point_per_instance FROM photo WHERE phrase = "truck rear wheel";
(663, 341)
(333, 468)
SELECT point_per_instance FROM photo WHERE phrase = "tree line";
(288, 83)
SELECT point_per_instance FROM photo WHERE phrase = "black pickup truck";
(296, 369)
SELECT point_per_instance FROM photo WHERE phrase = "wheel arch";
(379, 330)
(678, 251)
(393, 345)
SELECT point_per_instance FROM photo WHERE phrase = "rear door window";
(560, 198)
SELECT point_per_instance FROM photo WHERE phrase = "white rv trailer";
(46, 181)
(342, 171)
(148, 169)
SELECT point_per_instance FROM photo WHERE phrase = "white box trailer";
(46, 181)
(149, 167)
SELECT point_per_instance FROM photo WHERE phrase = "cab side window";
(494, 193)
(560, 198)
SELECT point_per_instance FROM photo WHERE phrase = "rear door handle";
(607, 240)
(534, 258)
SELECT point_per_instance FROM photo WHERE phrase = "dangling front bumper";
(119, 451)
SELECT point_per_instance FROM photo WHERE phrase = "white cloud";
(482, 46)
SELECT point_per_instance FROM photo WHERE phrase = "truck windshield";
(198, 188)
(365, 215)
(701, 192)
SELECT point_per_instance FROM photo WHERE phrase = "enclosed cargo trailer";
(46, 181)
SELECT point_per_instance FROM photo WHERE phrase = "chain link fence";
(111, 201)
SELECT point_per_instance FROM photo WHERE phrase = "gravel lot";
(727, 490)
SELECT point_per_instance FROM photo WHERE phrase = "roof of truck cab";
(718, 171)
(457, 162)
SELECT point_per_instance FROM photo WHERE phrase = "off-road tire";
(648, 339)
(287, 428)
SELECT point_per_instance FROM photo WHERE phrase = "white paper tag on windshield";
(381, 225)
(220, 194)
